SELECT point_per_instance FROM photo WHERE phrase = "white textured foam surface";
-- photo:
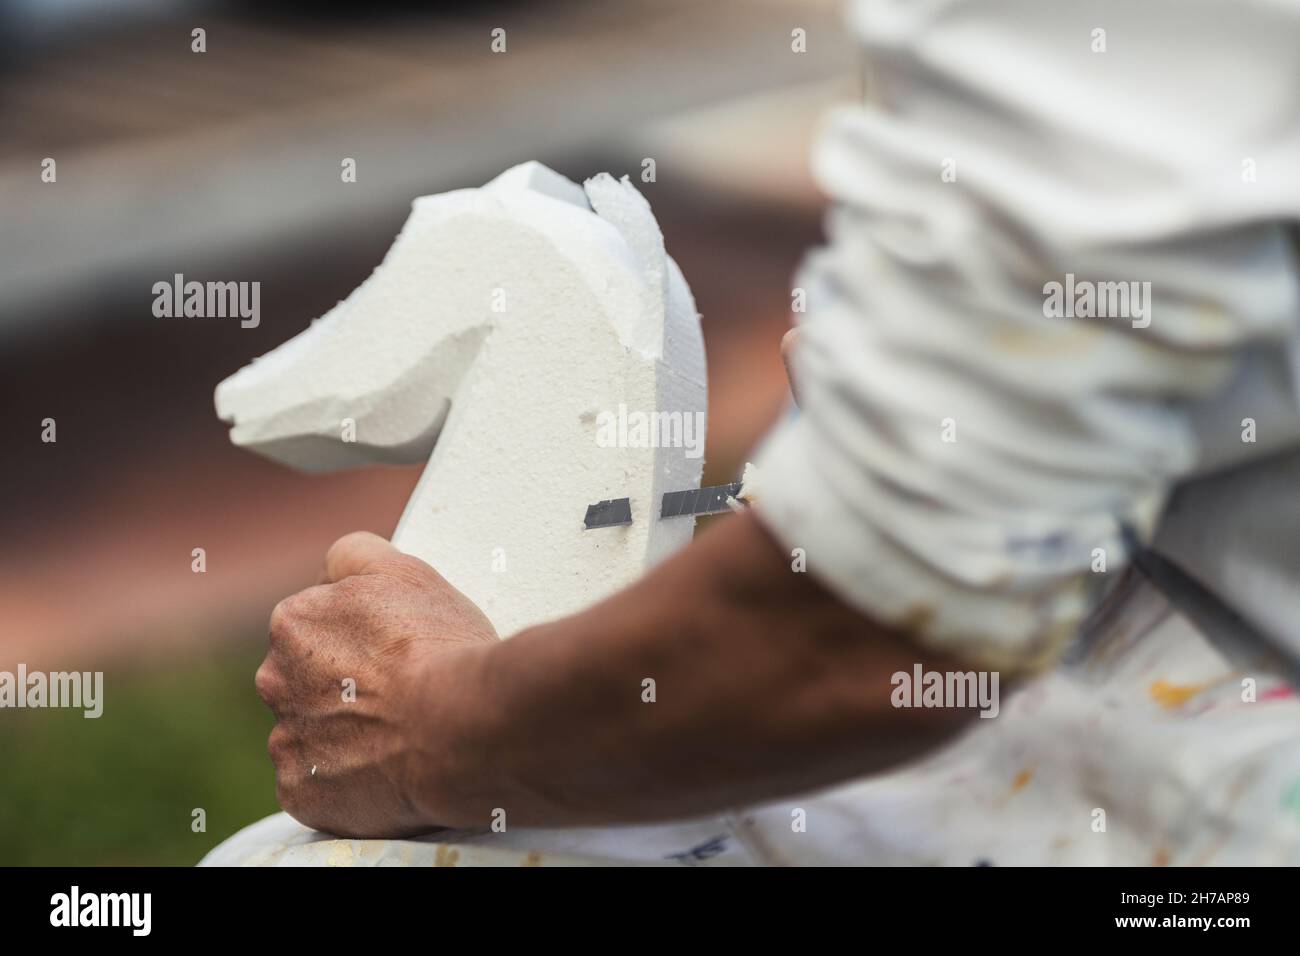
(596, 315)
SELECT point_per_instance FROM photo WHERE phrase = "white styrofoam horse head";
(501, 324)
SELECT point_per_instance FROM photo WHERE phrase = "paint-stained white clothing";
(961, 456)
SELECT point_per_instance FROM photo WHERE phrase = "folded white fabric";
(1059, 235)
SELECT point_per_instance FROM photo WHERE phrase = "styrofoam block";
(500, 325)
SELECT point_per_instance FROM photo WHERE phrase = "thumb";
(355, 553)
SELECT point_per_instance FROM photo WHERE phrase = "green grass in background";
(175, 734)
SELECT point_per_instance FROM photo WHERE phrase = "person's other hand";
(361, 672)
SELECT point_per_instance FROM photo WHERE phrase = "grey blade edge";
(675, 504)
(699, 501)
(608, 513)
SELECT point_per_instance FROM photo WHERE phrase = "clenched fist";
(363, 674)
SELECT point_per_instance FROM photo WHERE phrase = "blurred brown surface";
(167, 156)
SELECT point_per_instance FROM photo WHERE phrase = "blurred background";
(225, 165)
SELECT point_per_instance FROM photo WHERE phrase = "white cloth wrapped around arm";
(961, 455)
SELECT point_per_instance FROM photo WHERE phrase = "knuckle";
(291, 614)
(267, 683)
(311, 603)
(278, 745)
(282, 616)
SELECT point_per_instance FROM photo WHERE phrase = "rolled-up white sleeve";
(963, 462)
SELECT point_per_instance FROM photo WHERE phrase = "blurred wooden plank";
(167, 157)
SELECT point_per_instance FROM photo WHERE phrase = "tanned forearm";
(764, 684)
